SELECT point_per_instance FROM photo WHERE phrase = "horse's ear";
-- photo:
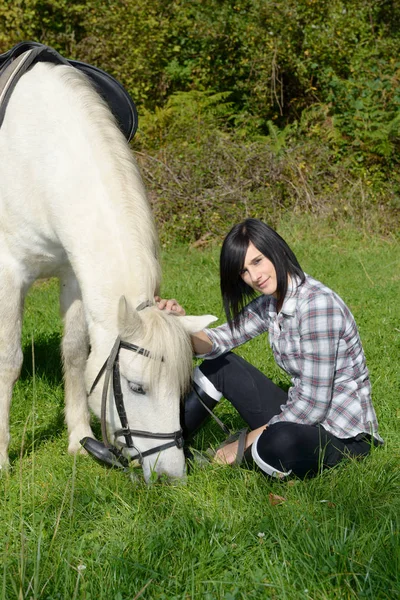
(129, 321)
(194, 324)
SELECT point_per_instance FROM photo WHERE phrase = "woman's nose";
(254, 274)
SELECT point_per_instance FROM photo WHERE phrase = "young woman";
(327, 413)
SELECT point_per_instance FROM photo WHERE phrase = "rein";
(111, 369)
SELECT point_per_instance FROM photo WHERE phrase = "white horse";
(73, 206)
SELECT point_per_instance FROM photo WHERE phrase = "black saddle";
(117, 98)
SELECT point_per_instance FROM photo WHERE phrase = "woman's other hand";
(227, 454)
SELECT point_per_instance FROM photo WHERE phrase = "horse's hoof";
(102, 454)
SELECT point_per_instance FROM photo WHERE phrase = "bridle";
(111, 369)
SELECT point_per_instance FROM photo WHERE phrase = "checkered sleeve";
(321, 321)
(254, 321)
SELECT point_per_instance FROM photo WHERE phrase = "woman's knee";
(221, 372)
(275, 448)
(213, 368)
(256, 398)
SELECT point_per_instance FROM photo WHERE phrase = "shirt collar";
(290, 301)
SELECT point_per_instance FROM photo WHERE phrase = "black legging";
(284, 447)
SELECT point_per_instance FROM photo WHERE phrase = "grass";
(74, 530)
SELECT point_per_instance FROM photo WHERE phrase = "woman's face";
(259, 272)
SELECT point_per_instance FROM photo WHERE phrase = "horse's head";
(150, 368)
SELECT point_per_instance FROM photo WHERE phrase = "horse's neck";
(99, 206)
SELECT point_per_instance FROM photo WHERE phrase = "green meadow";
(71, 529)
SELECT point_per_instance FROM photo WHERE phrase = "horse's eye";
(136, 388)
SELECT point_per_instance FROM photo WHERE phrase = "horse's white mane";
(130, 195)
(164, 335)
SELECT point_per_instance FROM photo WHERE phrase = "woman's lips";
(264, 283)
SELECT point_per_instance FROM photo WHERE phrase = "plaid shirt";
(314, 338)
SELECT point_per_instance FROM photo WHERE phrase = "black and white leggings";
(283, 447)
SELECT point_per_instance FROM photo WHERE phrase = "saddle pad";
(15, 62)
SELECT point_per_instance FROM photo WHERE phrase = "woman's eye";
(136, 388)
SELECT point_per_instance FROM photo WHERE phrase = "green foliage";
(203, 176)
(184, 119)
(274, 58)
(57, 23)
(309, 88)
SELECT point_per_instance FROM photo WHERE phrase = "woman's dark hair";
(235, 292)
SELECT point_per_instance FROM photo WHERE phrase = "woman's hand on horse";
(170, 305)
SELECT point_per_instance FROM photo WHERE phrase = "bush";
(203, 178)
(257, 104)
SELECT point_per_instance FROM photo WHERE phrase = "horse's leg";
(75, 348)
(11, 307)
